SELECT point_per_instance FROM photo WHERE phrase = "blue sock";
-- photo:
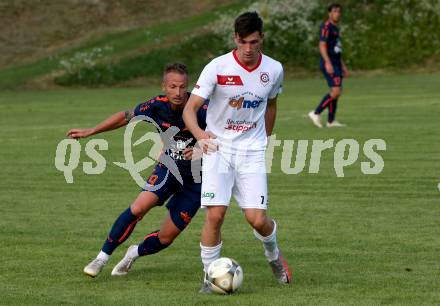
(151, 244)
(324, 103)
(332, 110)
(120, 231)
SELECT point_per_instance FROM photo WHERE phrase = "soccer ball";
(224, 276)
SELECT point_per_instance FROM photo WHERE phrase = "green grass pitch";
(357, 240)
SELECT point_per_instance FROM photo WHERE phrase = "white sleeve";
(278, 85)
(207, 81)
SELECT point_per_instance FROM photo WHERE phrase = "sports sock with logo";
(121, 230)
(269, 243)
(151, 244)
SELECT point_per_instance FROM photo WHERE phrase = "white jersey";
(238, 99)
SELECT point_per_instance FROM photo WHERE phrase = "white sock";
(269, 243)
(209, 254)
(103, 256)
(133, 252)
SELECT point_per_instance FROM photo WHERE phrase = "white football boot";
(316, 119)
(125, 264)
(94, 267)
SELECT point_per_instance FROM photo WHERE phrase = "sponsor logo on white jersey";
(242, 103)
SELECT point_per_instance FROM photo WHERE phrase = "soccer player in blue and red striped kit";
(183, 199)
(332, 67)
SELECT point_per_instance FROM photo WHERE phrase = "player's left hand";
(187, 153)
(79, 133)
(193, 153)
(206, 142)
(345, 72)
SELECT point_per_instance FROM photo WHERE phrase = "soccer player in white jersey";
(243, 86)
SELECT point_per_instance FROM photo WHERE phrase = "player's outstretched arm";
(113, 122)
(271, 113)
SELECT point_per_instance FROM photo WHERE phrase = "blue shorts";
(334, 80)
(184, 200)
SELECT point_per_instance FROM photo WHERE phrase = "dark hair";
(333, 6)
(248, 23)
(175, 67)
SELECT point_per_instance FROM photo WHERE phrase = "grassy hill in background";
(109, 43)
(31, 30)
(376, 36)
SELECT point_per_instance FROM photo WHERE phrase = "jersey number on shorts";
(152, 179)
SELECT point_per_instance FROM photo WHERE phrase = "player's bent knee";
(335, 92)
(166, 239)
(143, 203)
(258, 223)
(138, 210)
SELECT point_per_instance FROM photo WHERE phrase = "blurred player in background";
(332, 67)
(243, 86)
(166, 111)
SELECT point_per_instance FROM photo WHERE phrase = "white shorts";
(243, 176)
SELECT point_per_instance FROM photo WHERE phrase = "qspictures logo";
(345, 153)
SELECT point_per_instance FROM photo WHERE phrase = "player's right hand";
(79, 133)
(206, 141)
(329, 68)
